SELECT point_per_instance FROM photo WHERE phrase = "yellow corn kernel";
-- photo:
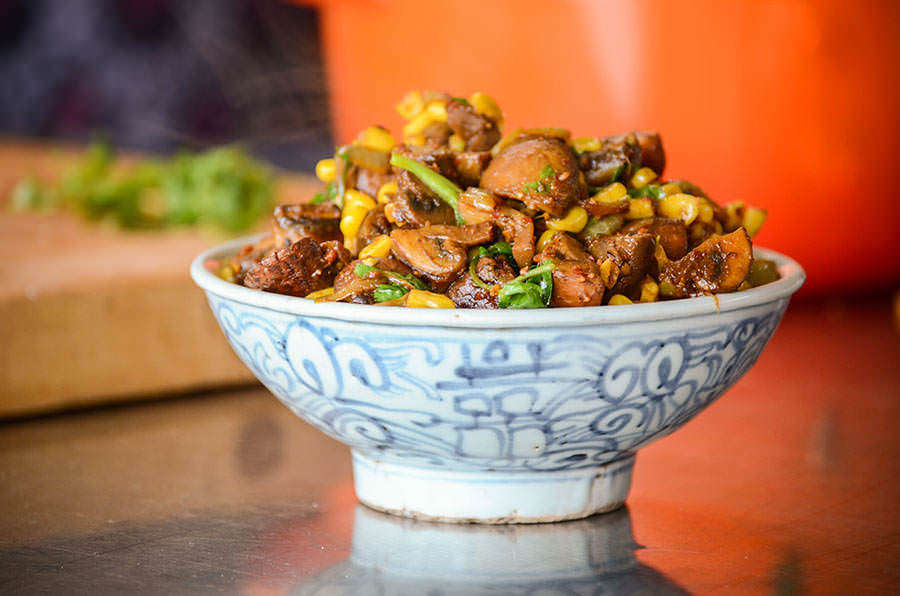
(649, 290)
(437, 110)
(416, 139)
(485, 105)
(609, 273)
(456, 143)
(387, 190)
(679, 206)
(753, 220)
(325, 169)
(377, 138)
(619, 299)
(411, 105)
(389, 213)
(425, 299)
(640, 208)
(671, 188)
(545, 238)
(611, 193)
(734, 215)
(705, 212)
(582, 144)
(417, 125)
(380, 247)
(356, 206)
(356, 197)
(643, 177)
(574, 221)
(320, 294)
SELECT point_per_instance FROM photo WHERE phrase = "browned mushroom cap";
(672, 234)
(470, 165)
(517, 229)
(368, 181)
(293, 222)
(652, 154)
(719, 264)
(576, 277)
(349, 287)
(415, 205)
(630, 257)
(299, 268)
(541, 172)
(479, 132)
(374, 224)
(465, 293)
(439, 252)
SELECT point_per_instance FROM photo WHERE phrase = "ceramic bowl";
(496, 416)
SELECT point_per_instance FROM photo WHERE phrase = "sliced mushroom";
(576, 277)
(299, 268)
(293, 222)
(465, 293)
(375, 224)
(719, 264)
(517, 229)
(630, 257)
(439, 252)
(541, 172)
(415, 205)
(349, 287)
(671, 233)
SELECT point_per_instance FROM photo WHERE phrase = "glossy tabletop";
(788, 484)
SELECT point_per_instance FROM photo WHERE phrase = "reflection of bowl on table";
(496, 416)
(401, 556)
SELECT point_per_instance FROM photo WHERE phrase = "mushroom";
(293, 222)
(439, 252)
(541, 172)
(718, 264)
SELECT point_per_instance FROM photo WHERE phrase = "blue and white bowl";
(496, 416)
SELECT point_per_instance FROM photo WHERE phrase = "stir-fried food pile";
(458, 215)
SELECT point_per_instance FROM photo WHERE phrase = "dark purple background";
(157, 75)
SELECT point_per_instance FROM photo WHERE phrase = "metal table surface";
(788, 484)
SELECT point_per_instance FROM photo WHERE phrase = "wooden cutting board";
(93, 314)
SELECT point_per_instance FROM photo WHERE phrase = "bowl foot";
(490, 497)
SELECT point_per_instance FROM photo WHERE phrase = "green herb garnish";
(496, 249)
(542, 185)
(654, 191)
(223, 188)
(361, 270)
(384, 293)
(532, 289)
(326, 195)
(620, 169)
(441, 186)
(462, 100)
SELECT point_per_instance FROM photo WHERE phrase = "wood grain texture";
(90, 313)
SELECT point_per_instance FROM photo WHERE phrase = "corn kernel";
(705, 212)
(679, 206)
(387, 190)
(734, 215)
(377, 138)
(583, 144)
(325, 169)
(643, 177)
(485, 105)
(411, 105)
(639, 208)
(425, 299)
(545, 238)
(649, 290)
(574, 221)
(380, 247)
(671, 188)
(611, 193)
(358, 198)
(609, 273)
(389, 213)
(456, 143)
(618, 300)
(753, 220)
(416, 139)
(320, 294)
(435, 111)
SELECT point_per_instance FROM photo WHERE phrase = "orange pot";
(788, 105)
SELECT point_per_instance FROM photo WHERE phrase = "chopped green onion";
(532, 289)
(384, 293)
(496, 249)
(362, 270)
(326, 195)
(440, 185)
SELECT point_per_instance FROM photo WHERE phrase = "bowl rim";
(792, 277)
